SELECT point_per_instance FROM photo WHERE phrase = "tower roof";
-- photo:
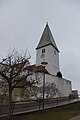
(47, 38)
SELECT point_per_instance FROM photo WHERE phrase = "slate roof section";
(47, 39)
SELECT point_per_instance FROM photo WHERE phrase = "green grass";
(58, 114)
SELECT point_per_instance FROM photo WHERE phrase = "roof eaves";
(47, 45)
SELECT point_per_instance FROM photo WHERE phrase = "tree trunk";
(10, 101)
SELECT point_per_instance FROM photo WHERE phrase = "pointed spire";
(46, 23)
(47, 38)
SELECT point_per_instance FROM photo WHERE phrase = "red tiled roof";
(34, 68)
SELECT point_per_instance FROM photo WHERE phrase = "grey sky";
(22, 23)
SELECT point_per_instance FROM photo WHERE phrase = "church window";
(55, 52)
(43, 50)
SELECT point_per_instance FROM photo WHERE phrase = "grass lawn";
(57, 114)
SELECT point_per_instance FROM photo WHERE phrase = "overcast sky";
(22, 23)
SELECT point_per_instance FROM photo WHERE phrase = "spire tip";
(46, 23)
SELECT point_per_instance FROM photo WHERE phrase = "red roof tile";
(34, 68)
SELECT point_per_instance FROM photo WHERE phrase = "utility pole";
(44, 63)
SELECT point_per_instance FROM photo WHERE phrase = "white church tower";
(47, 51)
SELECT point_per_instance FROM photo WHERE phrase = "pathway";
(75, 118)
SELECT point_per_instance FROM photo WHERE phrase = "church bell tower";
(47, 51)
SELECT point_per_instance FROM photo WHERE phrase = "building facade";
(55, 86)
(47, 51)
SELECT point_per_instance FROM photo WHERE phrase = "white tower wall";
(51, 56)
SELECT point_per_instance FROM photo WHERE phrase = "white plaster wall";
(50, 58)
(63, 85)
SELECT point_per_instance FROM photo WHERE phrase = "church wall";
(52, 59)
(51, 56)
(63, 85)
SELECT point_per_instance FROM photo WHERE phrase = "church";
(47, 68)
(46, 71)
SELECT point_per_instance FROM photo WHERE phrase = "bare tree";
(51, 90)
(13, 72)
(34, 92)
